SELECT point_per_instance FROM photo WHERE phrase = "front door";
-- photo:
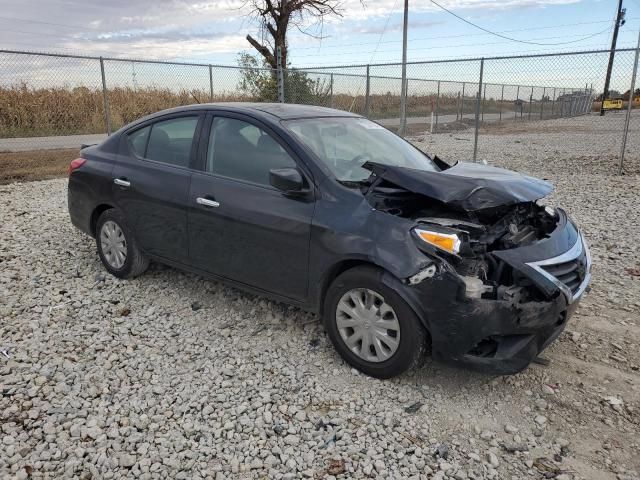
(240, 227)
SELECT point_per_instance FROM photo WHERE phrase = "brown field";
(27, 111)
(35, 165)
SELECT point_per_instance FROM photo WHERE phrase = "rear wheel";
(370, 324)
(117, 248)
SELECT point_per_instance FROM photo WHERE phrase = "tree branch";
(264, 51)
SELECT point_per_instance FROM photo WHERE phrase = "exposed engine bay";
(477, 231)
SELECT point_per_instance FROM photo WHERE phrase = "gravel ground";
(173, 376)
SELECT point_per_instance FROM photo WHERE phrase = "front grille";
(571, 273)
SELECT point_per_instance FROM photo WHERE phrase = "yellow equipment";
(610, 104)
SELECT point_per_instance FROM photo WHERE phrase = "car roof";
(283, 111)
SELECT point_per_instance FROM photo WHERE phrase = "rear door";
(241, 227)
(151, 183)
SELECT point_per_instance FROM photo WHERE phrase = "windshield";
(345, 144)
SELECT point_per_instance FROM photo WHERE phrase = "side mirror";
(287, 180)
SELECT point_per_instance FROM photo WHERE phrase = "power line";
(515, 39)
(81, 27)
(435, 37)
(424, 48)
(74, 38)
(384, 29)
(99, 52)
(447, 58)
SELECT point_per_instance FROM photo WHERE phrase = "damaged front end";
(505, 271)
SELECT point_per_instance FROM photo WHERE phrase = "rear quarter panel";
(90, 185)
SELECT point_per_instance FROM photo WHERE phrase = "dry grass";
(35, 165)
(27, 111)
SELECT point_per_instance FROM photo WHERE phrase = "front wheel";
(117, 248)
(371, 326)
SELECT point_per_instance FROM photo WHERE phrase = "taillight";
(77, 163)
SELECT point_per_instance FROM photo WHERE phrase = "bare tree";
(276, 16)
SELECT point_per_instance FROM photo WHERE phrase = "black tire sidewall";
(412, 334)
(114, 216)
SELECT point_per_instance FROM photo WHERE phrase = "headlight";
(449, 242)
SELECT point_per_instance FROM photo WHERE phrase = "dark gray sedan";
(399, 252)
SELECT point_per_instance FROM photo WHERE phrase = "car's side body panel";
(90, 186)
(255, 236)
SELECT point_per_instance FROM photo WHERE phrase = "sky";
(214, 31)
(366, 32)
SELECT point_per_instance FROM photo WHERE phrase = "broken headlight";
(449, 242)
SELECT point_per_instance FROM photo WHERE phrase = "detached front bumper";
(503, 336)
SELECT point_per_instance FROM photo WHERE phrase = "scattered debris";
(336, 467)
(546, 466)
(633, 271)
(442, 451)
(414, 408)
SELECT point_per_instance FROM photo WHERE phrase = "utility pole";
(614, 40)
(629, 107)
(403, 88)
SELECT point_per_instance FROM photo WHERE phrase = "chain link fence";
(471, 109)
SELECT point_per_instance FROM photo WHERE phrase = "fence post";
(571, 105)
(530, 103)
(279, 74)
(501, 100)
(478, 96)
(403, 107)
(210, 83)
(367, 95)
(553, 102)
(437, 102)
(484, 100)
(544, 90)
(462, 102)
(629, 106)
(458, 106)
(105, 99)
(331, 92)
(515, 111)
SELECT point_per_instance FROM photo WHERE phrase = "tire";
(398, 356)
(116, 232)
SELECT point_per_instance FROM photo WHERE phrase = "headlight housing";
(449, 242)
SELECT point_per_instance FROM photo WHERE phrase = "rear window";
(167, 141)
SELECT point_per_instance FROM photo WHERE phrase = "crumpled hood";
(466, 186)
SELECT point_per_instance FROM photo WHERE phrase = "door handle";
(121, 183)
(207, 202)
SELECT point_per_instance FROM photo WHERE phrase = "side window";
(170, 141)
(138, 140)
(240, 150)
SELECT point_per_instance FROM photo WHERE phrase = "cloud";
(169, 28)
